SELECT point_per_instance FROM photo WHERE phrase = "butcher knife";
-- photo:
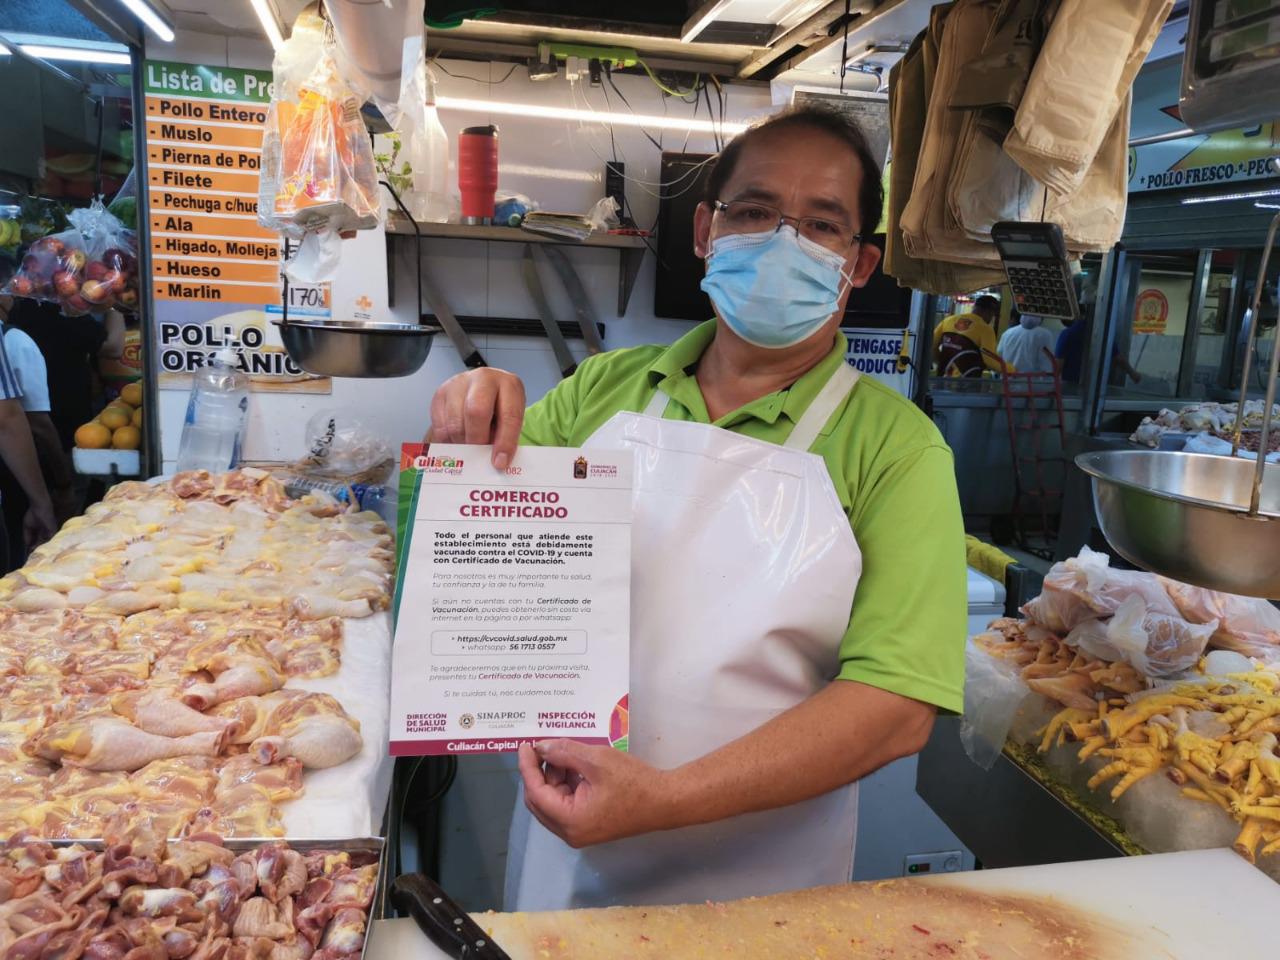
(445, 923)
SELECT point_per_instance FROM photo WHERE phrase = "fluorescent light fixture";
(1251, 195)
(1267, 206)
(44, 51)
(151, 17)
(269, 22)
(702, 19)
(4, 49)
(538, 111)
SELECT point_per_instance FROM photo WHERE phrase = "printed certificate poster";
(513, 601)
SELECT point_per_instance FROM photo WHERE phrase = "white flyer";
(512, 601)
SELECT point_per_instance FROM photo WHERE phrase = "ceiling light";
(1222, 198)
(151, 17)
(269, 22)
(533, 110)
(42, 51)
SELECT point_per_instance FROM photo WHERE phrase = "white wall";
(556, 162)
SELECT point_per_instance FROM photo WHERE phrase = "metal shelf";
(630, 249)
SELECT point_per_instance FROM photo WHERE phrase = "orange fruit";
(132, 394)
(136, 419)
(114, 417)
(93, 436)
(126, 438)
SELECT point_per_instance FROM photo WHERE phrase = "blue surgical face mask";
(773, 289)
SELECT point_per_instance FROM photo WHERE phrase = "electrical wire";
(664, 88)
(608, 75)
(620, 156)
(435, 61)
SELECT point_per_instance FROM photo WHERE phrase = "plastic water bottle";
(215, 416)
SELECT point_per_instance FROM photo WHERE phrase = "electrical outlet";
(945, 861)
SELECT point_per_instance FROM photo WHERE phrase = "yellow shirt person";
(960, 339)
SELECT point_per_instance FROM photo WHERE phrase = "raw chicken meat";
(110, 744)
(165, 715)
(145, 651)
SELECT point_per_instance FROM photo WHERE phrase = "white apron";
(743, 574)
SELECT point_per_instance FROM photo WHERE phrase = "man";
(71, 347)
(1027, 346)
(796, 620)
(1070, 353)
(960, 339)
(18, 453)
(29, 372)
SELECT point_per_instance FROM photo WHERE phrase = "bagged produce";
(1247, 625)
(53, 270)
(1155, 643)
(112, 262)
(89, 267)
(1087, 587)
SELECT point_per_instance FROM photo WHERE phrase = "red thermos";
(478, 172)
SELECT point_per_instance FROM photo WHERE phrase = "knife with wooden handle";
(445, 923)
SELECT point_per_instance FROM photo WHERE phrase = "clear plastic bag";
(993, 691)
(1156, 644)
(1087, 587)
(1247, 625)
(318, 171)
(53, 270)
(87, 268)
(341, 447)
(112, 252)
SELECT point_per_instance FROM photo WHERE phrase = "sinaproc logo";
(466, 721)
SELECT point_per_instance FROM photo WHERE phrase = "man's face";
(803, 173)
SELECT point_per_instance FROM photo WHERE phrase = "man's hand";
(38, 525)
(480, 406)
(590, 794)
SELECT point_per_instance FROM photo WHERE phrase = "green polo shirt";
(891, 469)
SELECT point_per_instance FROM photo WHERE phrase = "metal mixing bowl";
(1186, 516)
(350, 348)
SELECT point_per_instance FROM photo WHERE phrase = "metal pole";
(154, 463)
(1248, 358)
(1191, 333)
(1264, 438)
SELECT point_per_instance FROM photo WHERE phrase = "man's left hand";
(591, 794)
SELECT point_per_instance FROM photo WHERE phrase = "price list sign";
(215, 270)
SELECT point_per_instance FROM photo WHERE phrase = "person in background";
(1027, 346)
(960, 339)
(71, 347)
(18, 454)
(1070, 353)
(28, 367)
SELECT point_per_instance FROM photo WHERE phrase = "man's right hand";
(485, 405)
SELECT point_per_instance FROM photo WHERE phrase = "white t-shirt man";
(27, 363)
(1023, 346)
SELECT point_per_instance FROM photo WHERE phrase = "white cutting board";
(1197, 905)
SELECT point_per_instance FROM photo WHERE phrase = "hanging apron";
(743, 574)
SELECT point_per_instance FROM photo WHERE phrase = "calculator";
(1039, 270)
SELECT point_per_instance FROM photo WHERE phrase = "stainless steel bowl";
(350, 348)
(1186, 516)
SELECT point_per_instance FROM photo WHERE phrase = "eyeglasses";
(747, 216)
